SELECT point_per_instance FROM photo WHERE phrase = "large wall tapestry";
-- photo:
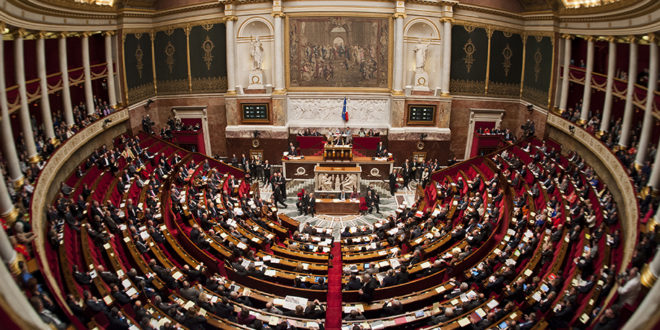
(469, 57)
(138, 66)
(505, 64)
(338, 52)
(208, 58)
(538, 70)
(171, 61)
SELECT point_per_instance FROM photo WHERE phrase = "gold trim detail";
(13, 265)
(169, 54)
(10, 217)
(19, 182)
(35, 159)
(647, 278)
(207, 47)
(538, 58)
(186, 30)
(139, 54)
(469, 48)
(507, 53)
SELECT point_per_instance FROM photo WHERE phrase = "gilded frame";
(390, 54)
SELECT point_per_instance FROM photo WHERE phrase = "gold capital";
(647, 278)
(10, 216)
(278, 14)
(231, 18)
(108, 33)
(21, 33)
(399, 15)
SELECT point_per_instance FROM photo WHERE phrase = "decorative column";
(567, 70)
(397, 83)
(66, 93)
(654, 179)
(6, 134)
(647, 126)
(43, 84)
(231, 46)
(446, 56)
(89, 96)
(607, 108)
(231, 66)
(278, 57)
(112, 97)
(8, 253)
(630, 89)
(26, 123)
(7, 210)
(586, 97)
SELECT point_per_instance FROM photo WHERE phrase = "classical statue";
(420, 56)
(325, 182)
(257, 52)
(350, 183)
(338, 183)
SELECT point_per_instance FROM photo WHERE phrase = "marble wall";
(515, 114)
(161, 110)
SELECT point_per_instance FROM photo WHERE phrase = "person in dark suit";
(267, 168)
(381, 150)
(392, 182)
(292, 150)
(302, 203)
(373, 201)
(311, 205)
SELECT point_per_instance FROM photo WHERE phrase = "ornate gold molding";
(647, 278)
(399, 15)
(35, 159)
(10, 217)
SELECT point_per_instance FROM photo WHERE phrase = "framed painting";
(329, 52)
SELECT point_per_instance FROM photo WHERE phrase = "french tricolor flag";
(344, 112)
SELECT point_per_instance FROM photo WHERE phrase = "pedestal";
(256, 79)
(421, 81)
(336, 179)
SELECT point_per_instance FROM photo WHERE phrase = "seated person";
(292, 150)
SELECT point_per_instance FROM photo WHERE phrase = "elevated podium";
(337, 152)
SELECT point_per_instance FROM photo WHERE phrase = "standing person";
(277, 196)
(406, 172)
(266, 174)
(282, 183)
(393, 176)
(311, 205)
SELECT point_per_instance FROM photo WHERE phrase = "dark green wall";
(208, 58)
(206, 45)
(538, 70)
(171, 61)
(506, 53)
(469, 54)
(138, 66)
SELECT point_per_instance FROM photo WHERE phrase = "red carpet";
(333, 310)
